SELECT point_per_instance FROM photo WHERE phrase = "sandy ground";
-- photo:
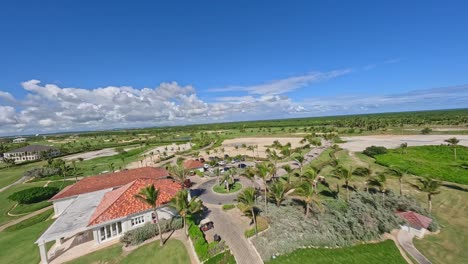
(94, 154)
(261, 142)
(359, 143)
(151, 160)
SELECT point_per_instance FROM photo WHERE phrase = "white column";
(43, 252)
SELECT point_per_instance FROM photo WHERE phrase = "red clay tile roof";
(110, 180)
(192, 164)
(415, 219)
(122, 202)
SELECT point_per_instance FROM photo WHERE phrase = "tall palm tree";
(307, 194)
(344, 174)
(364, 172)
(398, 173)
(289, 171)
(286, 151)
(149, 195)
(178, 172)
(263, 173)
(185, 207)
(429, 186)
(453, 142)
(380, 181)
(279, 192)
(247, 199)
(272, 155)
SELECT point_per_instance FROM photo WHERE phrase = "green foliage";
(433, 161)
(426, 131)
(221, 189)
(31, 221)
(222, 258)
(198, 239)
(372, 151)
(41, 172)
(149, 230)
(384, 252)
(262, 225)
(364, 218)
(228, 206)
(33, 195)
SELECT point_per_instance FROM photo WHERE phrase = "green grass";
(384, 252)
(435, 161)
(31, 221)
(12, 174)
(18, 246)
(173, 252)
(221, 189)
(227, 207)
(223, 258)
(262, 225)
(27, 208)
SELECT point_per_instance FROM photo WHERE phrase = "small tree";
(380, 181)
(279, 192)
(149, 195)
(178, 172)
(307, 194)
(404, 147)
(344, 174)
(429, 186)
(453, 142)
(398, 173)
(426, 131)
(185, 207)
(300, 161)
(247, 199)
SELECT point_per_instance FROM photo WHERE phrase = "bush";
(374, 150)
(149, 230)
(340, 224)
(198, 239)
(222, 258)
(33, 195)
(41, 172)
(228, 206)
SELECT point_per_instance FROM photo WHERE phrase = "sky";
(90, 65)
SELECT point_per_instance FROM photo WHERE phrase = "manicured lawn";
(12, 174)
(173, 252)
(27, 208)
(31, 221)
(384, 252)
(434, 161)
(18, 246)
(223, 258)
(221, 189)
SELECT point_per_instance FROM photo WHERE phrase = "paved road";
(204, 191)
(232, 233)
(16, 182)
(405, 239)
(14, 222)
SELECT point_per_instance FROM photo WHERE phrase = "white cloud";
(286, 85)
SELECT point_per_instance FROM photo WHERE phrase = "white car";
(206, 166)
(222, 163)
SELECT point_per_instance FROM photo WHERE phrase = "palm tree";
(272, 155)
(74, 170)
(398, 173)
(364, 172)
(300, 160)
(453, 142)
(288, 170)
(252, 148)
(380, 181)
(308, 195)
(263, 173)
(149, 195)
(279, 192)
(286, 151)
(310, 175)
(247, 199)
(404, 147)
(429, 186)
(178, 172)
(343, 173)
(185, 207)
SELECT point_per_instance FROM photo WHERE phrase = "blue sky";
(67, 65)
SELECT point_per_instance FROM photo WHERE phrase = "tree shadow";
(455, 187)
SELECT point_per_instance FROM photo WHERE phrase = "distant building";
(31, 152)
(19, 140)
(416, 224)
(193, 165)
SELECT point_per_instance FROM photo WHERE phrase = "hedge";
(33, 195)
(149, 230)
(374, 150)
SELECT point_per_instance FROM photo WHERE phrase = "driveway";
(205, 192)
(405, 239)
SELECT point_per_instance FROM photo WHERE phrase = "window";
(110, 231)
(137, 220)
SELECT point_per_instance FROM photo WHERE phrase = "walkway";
(232, 233)
(405, 239)
(205, 192)
(21, 180)
(16, 221)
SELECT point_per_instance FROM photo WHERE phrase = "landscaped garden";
(222, 189)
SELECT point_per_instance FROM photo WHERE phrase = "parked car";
(206, 224)
(221, 163)
(242, 166)
(202, 160)
(206, 166)
(187, 183)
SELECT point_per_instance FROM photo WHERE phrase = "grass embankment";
(384, 252)
(223, 258)
(434, 161)
(17, 243)
(173, 252)
(12, 174)
(222, 189)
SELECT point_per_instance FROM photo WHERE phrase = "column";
(43, 252)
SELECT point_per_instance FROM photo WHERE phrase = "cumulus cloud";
(286, 85)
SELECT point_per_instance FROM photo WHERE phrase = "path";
(232, 233)
(21, 180)
(205, 192)
(14, 222)
(405, 239)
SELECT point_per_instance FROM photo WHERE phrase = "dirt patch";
(359, 143)
(94, 154)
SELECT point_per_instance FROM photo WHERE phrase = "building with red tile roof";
(110, 180)
(193, 165)
(121, 202)
(417, 224)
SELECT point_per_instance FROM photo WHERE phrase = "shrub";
(426, 131)
(41, 172)
(228, 206)
(374, 150)
(33, 195)
(222, 258)
(149, 230)
(198, 239)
